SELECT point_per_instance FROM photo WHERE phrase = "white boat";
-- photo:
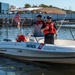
(63, 51)
(71, 26)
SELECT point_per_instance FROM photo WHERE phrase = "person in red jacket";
(49, 29)
(39, 21)
(37, 27)
(21, 38)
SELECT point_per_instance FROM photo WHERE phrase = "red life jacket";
(21, 38)
(51, 29)
(39, 22)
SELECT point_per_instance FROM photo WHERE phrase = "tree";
(50, 6)
(27, 6)
(34, 5)
(43, 5)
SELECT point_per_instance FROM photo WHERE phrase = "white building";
(4, 8)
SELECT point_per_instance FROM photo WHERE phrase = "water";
(19, 67)
(16, 67)
(63, 33)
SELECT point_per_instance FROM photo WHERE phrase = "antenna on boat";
(61, 23)
(72, 34)
(6, 23)
(33, 33)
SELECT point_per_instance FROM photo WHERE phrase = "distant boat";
(72, 26)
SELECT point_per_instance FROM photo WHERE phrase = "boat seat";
(6, 40)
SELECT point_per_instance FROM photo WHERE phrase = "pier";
(28, 19)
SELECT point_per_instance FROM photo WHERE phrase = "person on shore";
(49, 30)
(38, 24)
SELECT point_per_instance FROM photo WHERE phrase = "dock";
(11, 22)
(28, 19)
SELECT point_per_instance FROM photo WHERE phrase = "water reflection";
(12, 32)
(16, 67)
(64, 33)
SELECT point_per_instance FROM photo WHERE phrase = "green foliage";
(34, 6)
(49, 6)
(27, 6)
(43, 5)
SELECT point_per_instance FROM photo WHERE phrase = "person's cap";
(39, 16)
(48, 17)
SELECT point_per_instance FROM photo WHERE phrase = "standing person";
(49, 30)
(39, 21)
(38, 24)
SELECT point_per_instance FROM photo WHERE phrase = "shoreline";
(66, 22)
(29, 22)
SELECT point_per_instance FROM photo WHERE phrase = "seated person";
(21, 38)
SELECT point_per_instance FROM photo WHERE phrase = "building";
(4, 8)
(12, 7)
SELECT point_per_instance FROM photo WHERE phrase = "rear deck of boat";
(60, 42)
(64, 42)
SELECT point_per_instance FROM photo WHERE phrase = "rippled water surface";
(63, 33)
(19, 67)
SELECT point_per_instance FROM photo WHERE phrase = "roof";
(25, 9)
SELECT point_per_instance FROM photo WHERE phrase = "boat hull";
(46, 53)
(63, 60)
